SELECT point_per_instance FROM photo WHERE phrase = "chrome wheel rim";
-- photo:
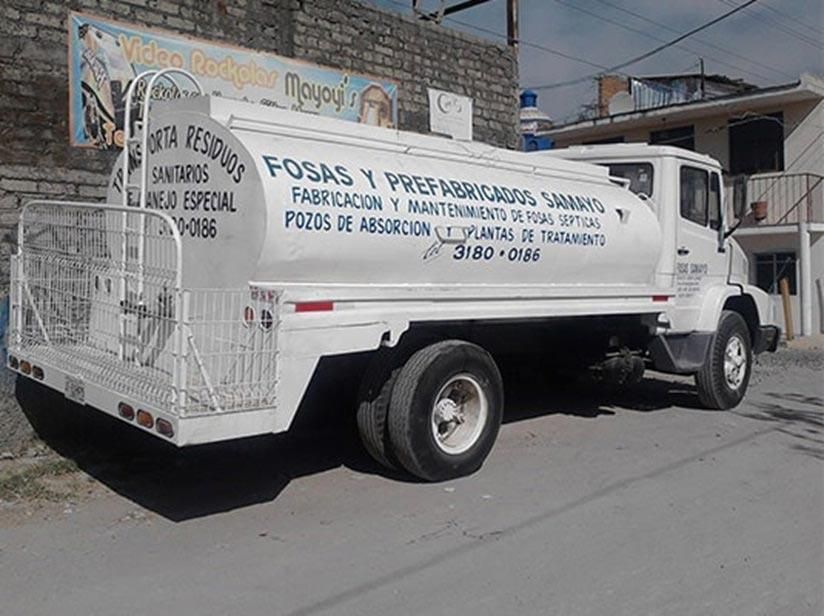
(735, 362)
(459, 414)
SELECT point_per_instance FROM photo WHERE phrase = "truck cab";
(700, 261)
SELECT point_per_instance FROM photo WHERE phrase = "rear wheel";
(723, 379)
(445, 410)
(373, 407)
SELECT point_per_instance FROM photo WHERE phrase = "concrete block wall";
(36, 160)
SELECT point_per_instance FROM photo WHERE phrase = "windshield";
(638, 174)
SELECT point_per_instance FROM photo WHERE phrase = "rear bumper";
(766, 339)
(188, 430)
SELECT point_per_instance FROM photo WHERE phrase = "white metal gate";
(99, 288)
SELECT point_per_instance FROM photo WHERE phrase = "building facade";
(773, 135)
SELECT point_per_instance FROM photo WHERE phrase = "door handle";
(683, 251)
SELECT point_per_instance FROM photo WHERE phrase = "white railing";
(81, 299)
(791, 197)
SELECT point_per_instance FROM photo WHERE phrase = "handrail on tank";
(152, 76)
(144, 167)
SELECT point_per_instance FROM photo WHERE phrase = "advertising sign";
(105, 56)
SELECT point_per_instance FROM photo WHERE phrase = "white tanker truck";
(241, 245)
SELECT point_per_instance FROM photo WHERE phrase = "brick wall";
(36, 160)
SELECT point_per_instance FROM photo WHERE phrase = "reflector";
(126, 411)
(248, 316)
(145, 419)
(165, 428)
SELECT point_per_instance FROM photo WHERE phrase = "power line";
(818, 31)
(651, 52)
(697, 40)
(522, 42)
(777, 25)
(530, 44)
(652, 36)
(770, 21)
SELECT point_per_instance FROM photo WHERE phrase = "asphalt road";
(590, 504)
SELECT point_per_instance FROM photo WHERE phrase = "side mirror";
(739, 196)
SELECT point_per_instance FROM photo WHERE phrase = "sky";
(770, 42)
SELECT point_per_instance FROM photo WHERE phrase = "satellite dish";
(621, 102)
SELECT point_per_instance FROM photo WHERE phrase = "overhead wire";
(776, 24)
(656, 38)
(817, 31)
(533, 45)
(651, 52)
(550, 50)
(697, 40)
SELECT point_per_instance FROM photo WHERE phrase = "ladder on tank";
(133, 226)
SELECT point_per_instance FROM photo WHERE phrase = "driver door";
(699, 264)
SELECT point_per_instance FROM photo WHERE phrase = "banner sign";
(105, 56)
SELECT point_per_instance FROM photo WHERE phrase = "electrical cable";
(657, 38)
(778, 25)
(651, 52)
(697, 40)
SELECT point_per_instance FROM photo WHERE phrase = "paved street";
(590, 504)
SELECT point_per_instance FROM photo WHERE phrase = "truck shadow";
(182, 484)
(529, 394)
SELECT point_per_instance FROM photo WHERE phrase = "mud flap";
(680, 353)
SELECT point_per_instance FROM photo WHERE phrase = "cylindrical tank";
(272, 196)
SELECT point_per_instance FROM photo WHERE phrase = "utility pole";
(703, 79)
(512, 23)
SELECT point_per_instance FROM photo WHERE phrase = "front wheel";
(446, 410)
(723, 379)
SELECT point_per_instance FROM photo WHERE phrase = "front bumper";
(766, 339)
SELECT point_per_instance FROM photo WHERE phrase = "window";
(638, 174)
(694, 195)
(683, 137)
(772, 267)
(715, 202)
(757, 144)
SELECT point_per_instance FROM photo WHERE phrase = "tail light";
(145, 419)
(165, 428)
(126, 411)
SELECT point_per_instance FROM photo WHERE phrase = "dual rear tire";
(437, 415)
